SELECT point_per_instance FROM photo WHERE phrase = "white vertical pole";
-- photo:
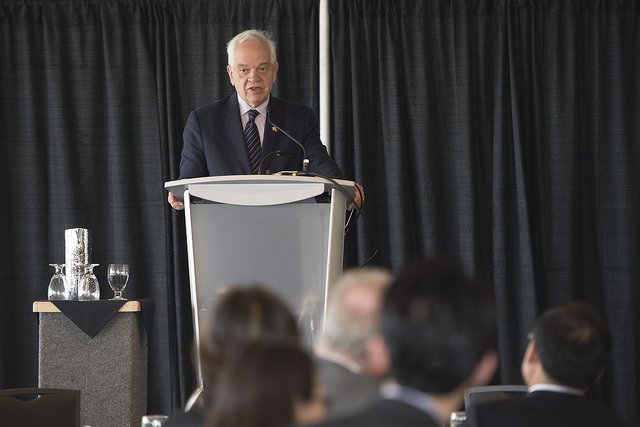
(325, 97)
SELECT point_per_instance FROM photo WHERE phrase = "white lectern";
(286, 232)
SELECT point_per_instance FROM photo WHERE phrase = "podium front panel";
(284, 232)
(284, 247)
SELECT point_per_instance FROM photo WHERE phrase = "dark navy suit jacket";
(384, 413)
(346, 390)
(546, 409)
(214, 141)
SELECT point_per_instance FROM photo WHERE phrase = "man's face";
(253, 74)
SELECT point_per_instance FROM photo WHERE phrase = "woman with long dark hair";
(269, 384)
(239, 316)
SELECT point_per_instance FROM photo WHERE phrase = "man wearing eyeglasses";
(567, 354)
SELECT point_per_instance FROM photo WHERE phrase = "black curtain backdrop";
(503, 132)
(94, 98)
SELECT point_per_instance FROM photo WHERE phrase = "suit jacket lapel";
(269, 142)
(235, 133)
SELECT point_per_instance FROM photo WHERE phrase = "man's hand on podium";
(358, 199)
(175, 203)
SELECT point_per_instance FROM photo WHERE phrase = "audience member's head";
(570, 346)
(269, 384)
(353, 317)
(440, 328)
(240, 316)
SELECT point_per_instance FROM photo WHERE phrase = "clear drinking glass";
(58, 285)
(88, 287)
(458, 419)
(154, 420)
(118, 276)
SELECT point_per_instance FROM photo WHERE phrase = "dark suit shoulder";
(230, 101)
(347, 391)
(384, 413)
(279, 102)
(544, 408)
(290, 114)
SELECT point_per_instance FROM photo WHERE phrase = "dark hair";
(573, 343)
(260, 387)
(243, 315)
(437, 324)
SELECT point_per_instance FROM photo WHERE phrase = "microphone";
(276, 128)
(273, 153)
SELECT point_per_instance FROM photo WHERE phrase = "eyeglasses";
(531, 336)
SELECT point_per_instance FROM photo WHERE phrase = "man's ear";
(378, 359)
(484, 370)
(230, 73)
(530, 366)
(531, 355)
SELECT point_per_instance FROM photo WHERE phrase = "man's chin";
(255, 100)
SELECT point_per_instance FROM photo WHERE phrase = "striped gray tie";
(252, 138)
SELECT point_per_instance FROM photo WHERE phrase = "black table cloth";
(91, 316)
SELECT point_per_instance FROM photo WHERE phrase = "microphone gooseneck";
(276, 128)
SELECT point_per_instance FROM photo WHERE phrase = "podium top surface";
(178, 187)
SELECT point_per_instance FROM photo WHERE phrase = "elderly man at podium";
(251, 132)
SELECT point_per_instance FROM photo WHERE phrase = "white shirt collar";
(555, 388)
(415, 398)
(244, 107)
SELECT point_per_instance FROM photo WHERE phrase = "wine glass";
(154, 420)
(118, 276)
(58, 285)
(88, 287)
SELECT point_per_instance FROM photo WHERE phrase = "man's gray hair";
(346, 328)
(253, 34)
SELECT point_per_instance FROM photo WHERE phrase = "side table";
(110, 369)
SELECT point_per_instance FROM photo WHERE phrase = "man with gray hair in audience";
(439, 331)
(349, 359)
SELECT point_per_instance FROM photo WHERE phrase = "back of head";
(573, 344)
(437, 324)
(243, 315)
(353, 311)
(261, 386)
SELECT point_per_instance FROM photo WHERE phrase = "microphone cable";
(359, 214)
(305, 172)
